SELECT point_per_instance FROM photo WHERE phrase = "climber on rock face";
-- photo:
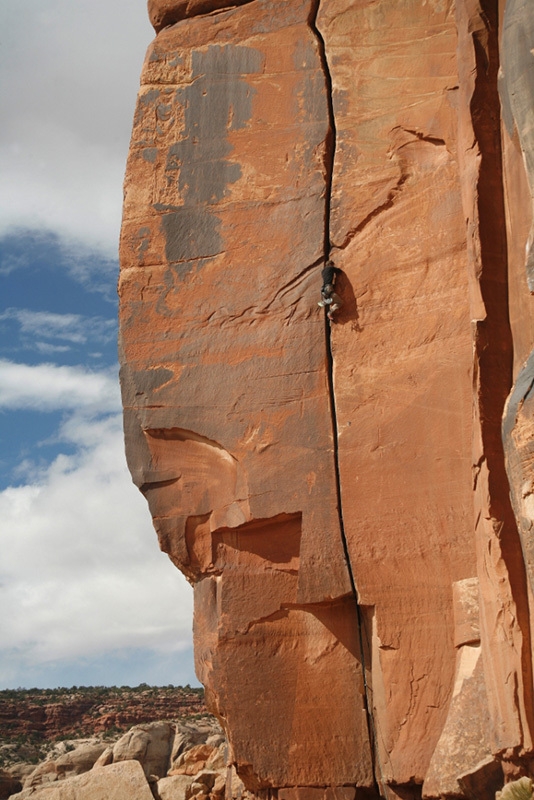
(329, 298)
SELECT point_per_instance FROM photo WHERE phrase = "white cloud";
(69, 76)
(49, 349)
(48, 387)
(73, 328)
(10, 263)
(81, 574)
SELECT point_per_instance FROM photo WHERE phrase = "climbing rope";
(333, 303)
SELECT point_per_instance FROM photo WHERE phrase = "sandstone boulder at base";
(193, 760)
(175, 787)
(20, 771)
(189, 735)
(79, 760)
(123, 781)
(74, 762)
(105, 758)
(521, 789)
(43, 773)
(149, 744)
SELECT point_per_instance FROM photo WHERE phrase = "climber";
(329, 298)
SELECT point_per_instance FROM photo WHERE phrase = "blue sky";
(86, 597)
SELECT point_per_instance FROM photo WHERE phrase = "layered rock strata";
(336, 491)
(47, 714)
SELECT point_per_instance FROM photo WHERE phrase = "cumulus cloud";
(49, 387)
(70, 76)
(81, 574)
(33, 251)
(49, 349)
(73, 328)
(10, 263)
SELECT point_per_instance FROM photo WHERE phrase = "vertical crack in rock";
(330, 150)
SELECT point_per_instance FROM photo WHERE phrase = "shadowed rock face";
(517, 95)
(336, 492)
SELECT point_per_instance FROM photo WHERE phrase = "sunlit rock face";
(336, 490)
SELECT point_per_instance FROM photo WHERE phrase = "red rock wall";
(336, 491)
(402, 354)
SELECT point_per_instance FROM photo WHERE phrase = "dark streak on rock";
(217, 101)
(139, 383)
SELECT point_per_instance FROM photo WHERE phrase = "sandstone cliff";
(336, 491)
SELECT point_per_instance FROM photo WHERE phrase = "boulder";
(191, 761)
(20, 770)
(521, 789)
(206, 778)
(122, 781)
(175, 787)
(79, 760)
(188, 736)
(219, 755)
(149, 744)
(43, 773)
(105, 758)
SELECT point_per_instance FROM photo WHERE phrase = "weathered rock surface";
(337, 492)
(167, 12)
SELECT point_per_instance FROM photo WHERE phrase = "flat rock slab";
(122, 781)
